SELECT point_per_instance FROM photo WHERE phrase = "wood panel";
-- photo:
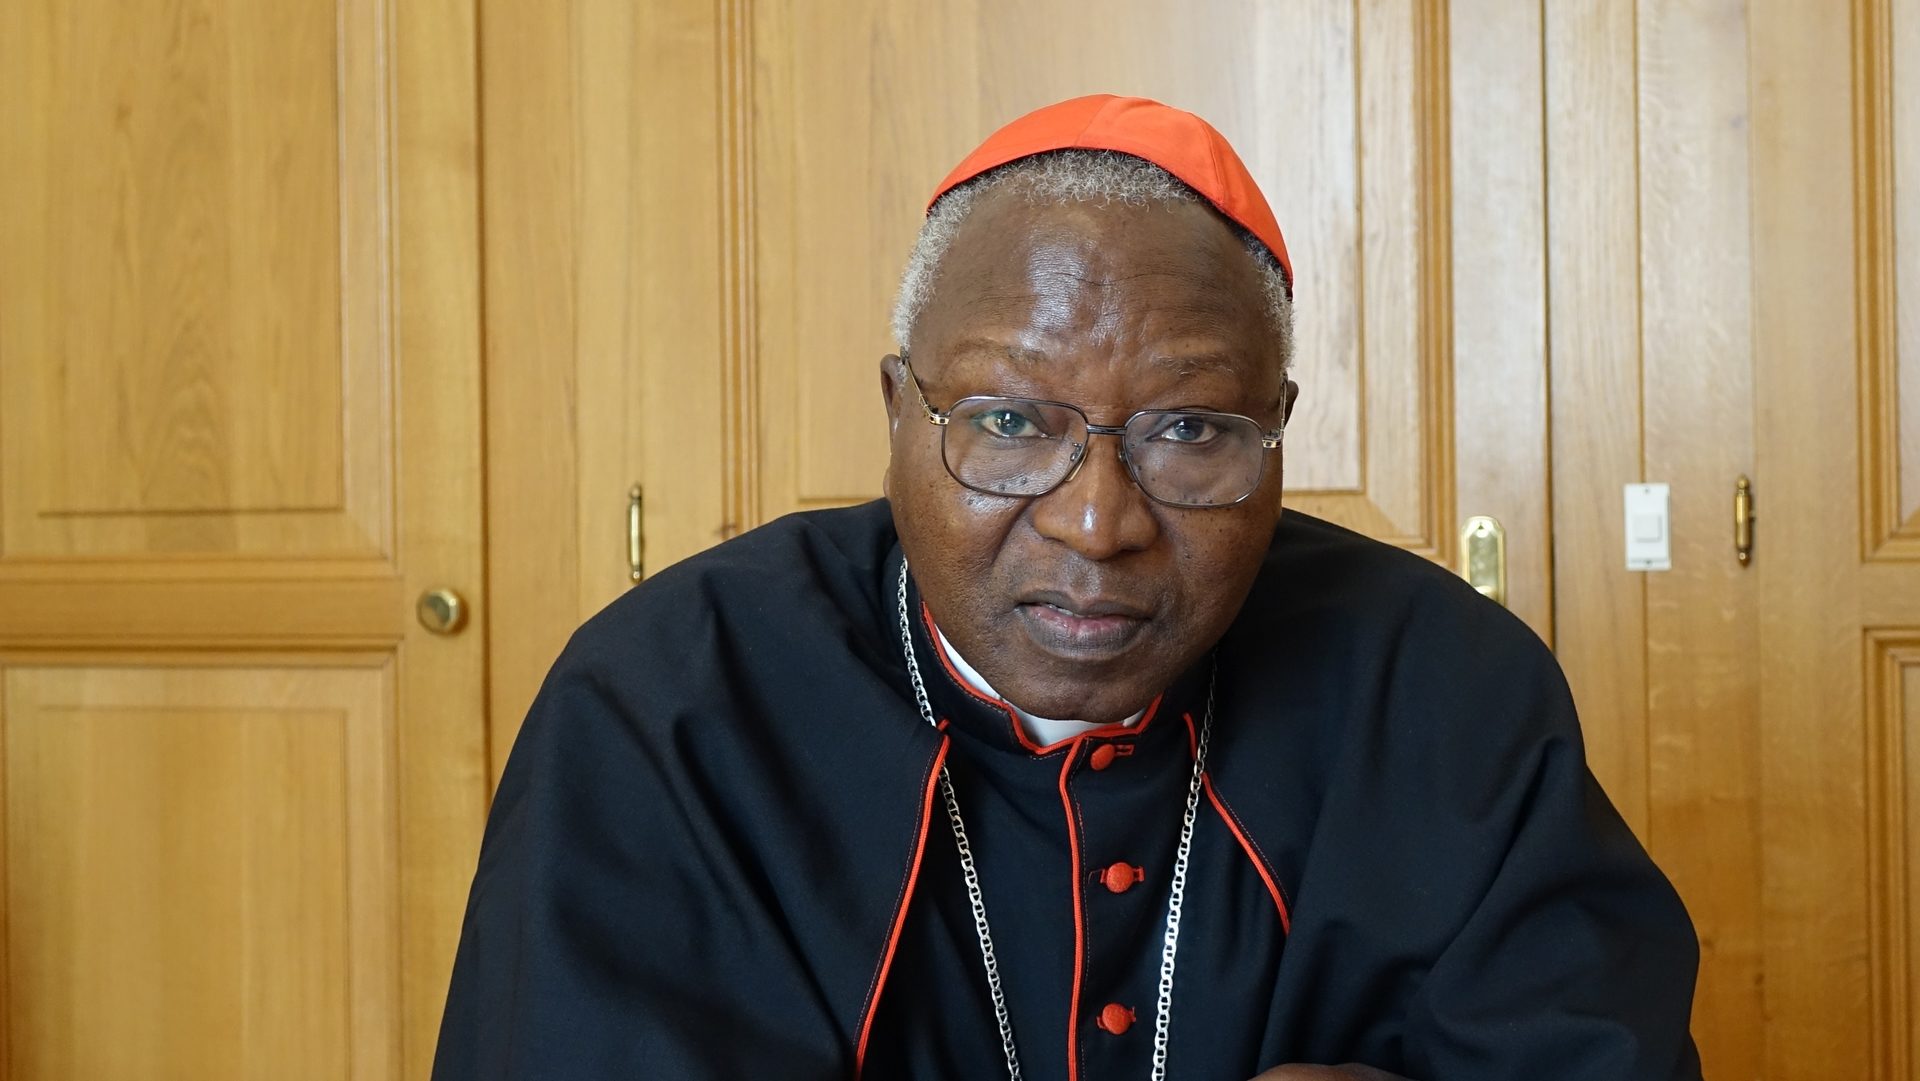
(1893, 809)
(1696, 321)
(1885, 62)
(1813, 756)
(252, 813)
(606, 337)
(240, 432)
(835, 176)
(1887, 161)
(1593, 217)
(1497, 201)
(1903, 148)
(194, 314)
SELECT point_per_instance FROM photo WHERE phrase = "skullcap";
(1174, 139)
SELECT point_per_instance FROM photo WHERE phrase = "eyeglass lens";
(1018, 447)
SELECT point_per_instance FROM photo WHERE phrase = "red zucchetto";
(1174, 139)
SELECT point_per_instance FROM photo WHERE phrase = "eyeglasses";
(1026, 447)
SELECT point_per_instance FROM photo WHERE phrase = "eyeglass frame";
(1270, 439)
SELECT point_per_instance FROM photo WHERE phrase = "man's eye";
(1186, 430)
(1008, 424)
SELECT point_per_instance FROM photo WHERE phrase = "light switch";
(1647, 532)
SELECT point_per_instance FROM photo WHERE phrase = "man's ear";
(1291, 395)
(890, 371)
(890, 389)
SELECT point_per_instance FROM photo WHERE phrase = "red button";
(1121, 877)
(1115, 1018)
(1102, 756)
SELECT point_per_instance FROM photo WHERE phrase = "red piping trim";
(900, 911)
(1246, 845)
(1079, 928)
(1013, 719)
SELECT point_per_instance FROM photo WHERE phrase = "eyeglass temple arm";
(934, 416)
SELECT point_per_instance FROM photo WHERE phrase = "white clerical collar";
(1041, 730)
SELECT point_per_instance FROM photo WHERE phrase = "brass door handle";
(1483, 557)
(441, 610)
(1743, 517)
(636, 537)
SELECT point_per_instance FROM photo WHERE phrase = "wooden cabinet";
(239, 433)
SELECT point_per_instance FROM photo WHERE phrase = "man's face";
(1085, 602)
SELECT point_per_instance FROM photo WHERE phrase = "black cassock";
(718, 850)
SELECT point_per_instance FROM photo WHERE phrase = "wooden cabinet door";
(239, 433)
(1836, 233)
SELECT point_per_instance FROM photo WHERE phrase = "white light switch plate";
(1648, 528)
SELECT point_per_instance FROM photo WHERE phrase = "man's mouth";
(1084, 629)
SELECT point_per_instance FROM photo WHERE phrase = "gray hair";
(1072, 176)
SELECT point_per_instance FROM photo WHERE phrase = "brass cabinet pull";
(1483, 557)
(636, 538)
(1743, 517)
(441, 611)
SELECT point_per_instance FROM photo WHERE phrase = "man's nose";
(1099, 512)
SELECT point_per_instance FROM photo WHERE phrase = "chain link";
(1164, 1020)
(1169, 948)
(967, 868)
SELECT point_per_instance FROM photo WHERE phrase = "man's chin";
(1101, 698)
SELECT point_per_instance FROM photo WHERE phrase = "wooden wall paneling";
(1893, 824)
(1498, 190)
(193, 297)
(239, 425)
(1903, 33)
(1403, 287)
(1887, 162)
(270, 604)
(1890, 258)
(253, 813)
(609, 335)
(529, 170)
(441, 744)
(674, 318)
(1813, 754)
(1701, 631)
(1886, 65)
(1593, 298)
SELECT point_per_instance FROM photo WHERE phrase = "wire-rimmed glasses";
(1028, 447)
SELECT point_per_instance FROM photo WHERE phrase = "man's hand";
(1297, 1072)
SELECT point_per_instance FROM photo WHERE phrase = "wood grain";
(1499, 288)
(251, 812)
(1886, 158)
(530, 172)
(1902, 26)
(1696, 322)
(288, 310)
(1593, 300)
(606, 343)
(440, 745)
(192, 283)
(1812, 754)
(1893, 825)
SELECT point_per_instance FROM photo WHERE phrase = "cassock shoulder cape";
(716, 851)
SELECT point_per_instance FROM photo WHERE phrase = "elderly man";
(1072, 759)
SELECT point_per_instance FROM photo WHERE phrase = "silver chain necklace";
(972, 875)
